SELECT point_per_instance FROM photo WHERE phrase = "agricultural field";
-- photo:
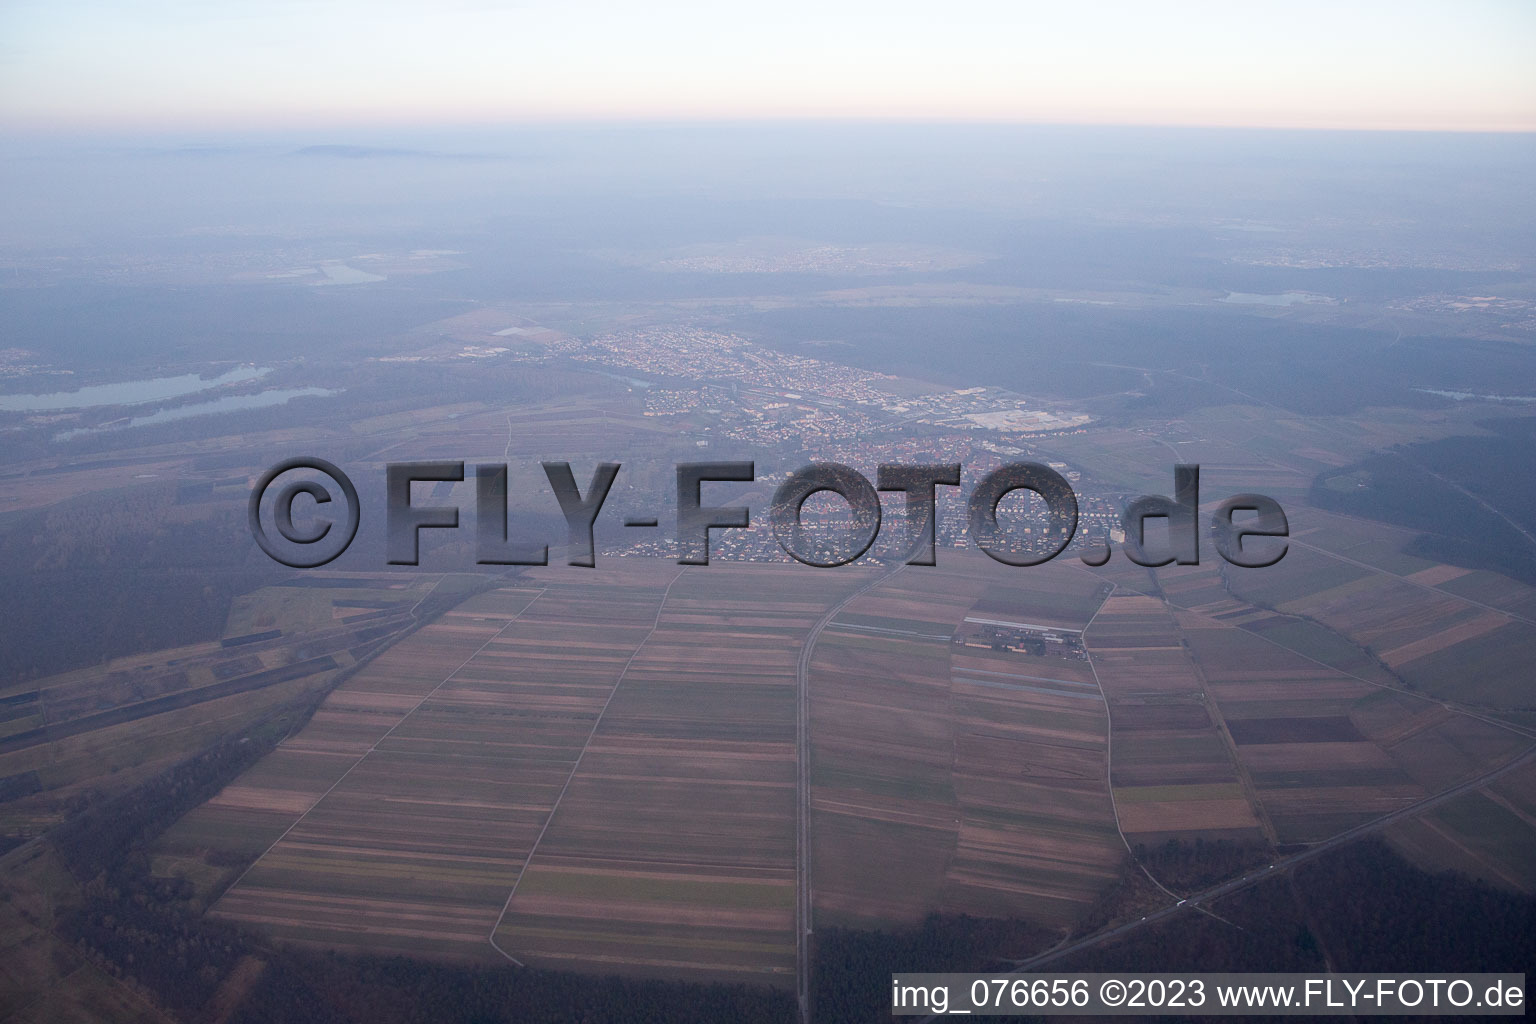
(627, 801)
(106, 727)
(1450, 632)
(472, 731)
(1490, 834)
(1174, 774)
(456, 735)
(958, 778)
(674, 845)
(507, 784)
(1327, 736)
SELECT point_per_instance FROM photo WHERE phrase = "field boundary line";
(1281, 864)
(1109, 767)
(576, 766)
(1450, 704)
(364, 755)
(1378, 570)
(1113, 586)
(803, 892)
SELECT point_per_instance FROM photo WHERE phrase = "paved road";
(1252, 878)
(1281, 863)
(803, 889)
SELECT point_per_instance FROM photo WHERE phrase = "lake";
(130, 392)
(229, 403)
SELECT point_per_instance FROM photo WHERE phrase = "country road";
(1258, 875)
(803, 787)
(803, 888)
(1280, 864)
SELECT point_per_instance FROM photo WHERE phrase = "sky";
(169, 64)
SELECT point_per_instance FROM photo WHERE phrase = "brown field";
(627, 801)
(674, 845)
(1170, 755)
(1343, 634)
(1436, 575)
(1326, 751)
(956, 779)
(505, 782)
(1434, 629)
(462, 734)
(671, 844)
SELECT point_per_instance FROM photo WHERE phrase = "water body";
(130, 392)
(229, 403)
(1462, 396)
(1283, 299)
(340, 273)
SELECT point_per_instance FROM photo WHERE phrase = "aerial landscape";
(633, 784)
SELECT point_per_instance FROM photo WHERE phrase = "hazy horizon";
(164, 64)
